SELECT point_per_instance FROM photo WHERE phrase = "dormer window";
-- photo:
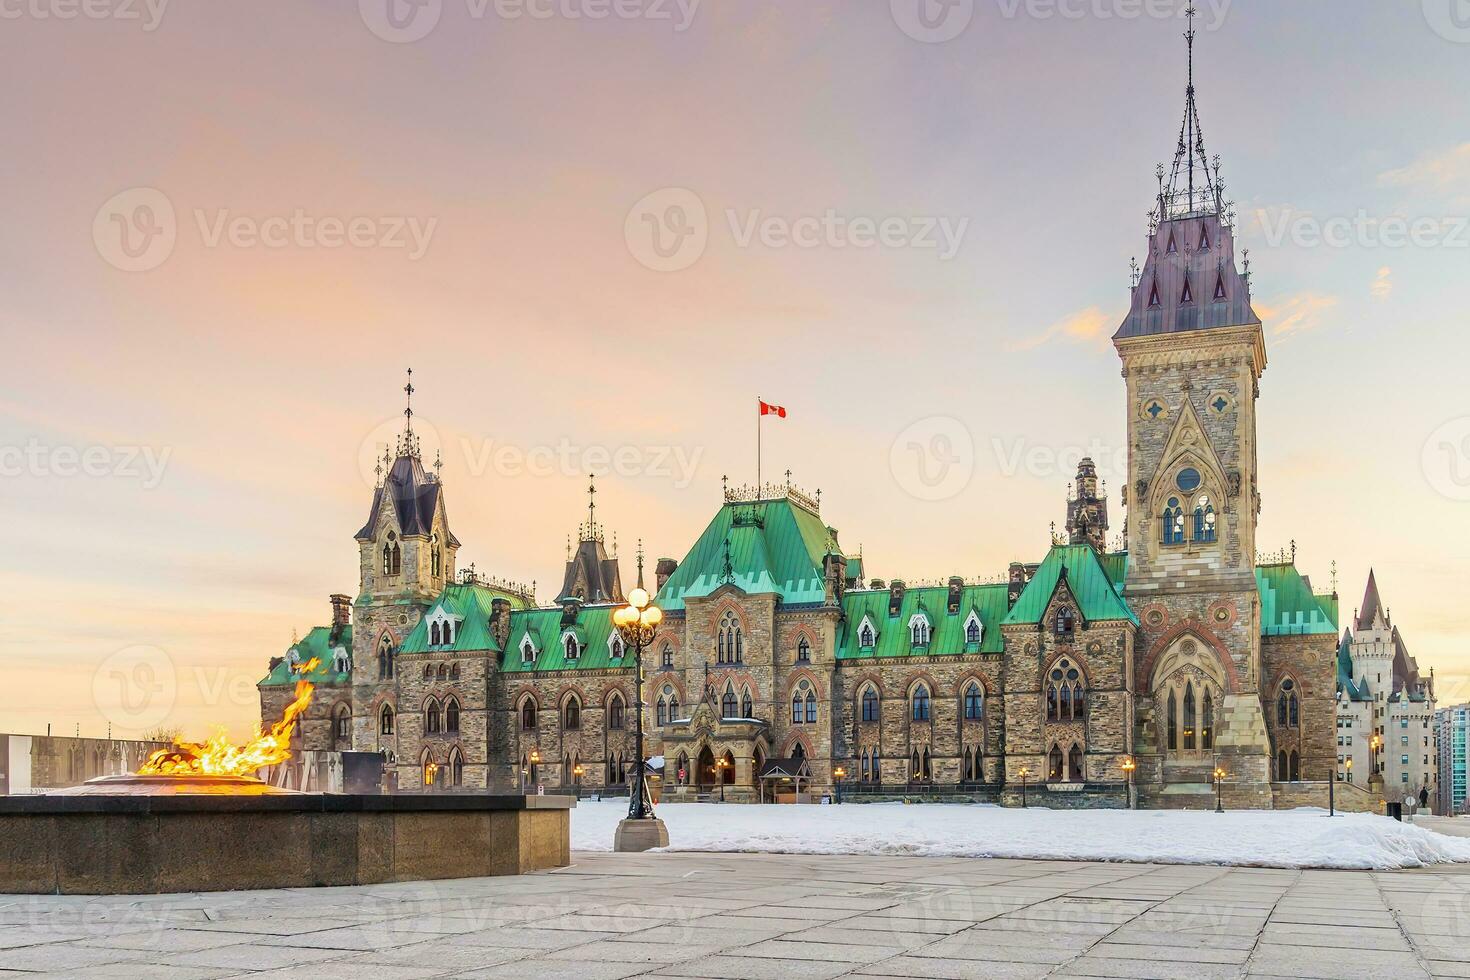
(442, 628)
(528, 650)
(1188, 295)
(1220, 294)
(1066, 621)
(867, 635)
(341, 660)
(919, 630)
(571, 646)
(615, 646)
(1153, 296)
(974, 629)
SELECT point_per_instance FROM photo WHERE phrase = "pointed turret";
(1372, 608)
(591, 575)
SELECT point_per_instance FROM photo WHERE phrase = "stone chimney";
(500, 621)
(835, 566)
(1017, 583)
(665, 571)
(341, 610)
(956, 593)
(895, 597)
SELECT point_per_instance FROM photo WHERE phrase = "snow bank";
(1304, 838)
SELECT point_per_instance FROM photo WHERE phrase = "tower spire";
(1193, 187)
(408, 445)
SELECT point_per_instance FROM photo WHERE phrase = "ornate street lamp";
(637, 623)
(720, 766)
(837, 775)
(1219, 785)
(1128, 765)
(1025, 774)
(579, 772)
(535, 766)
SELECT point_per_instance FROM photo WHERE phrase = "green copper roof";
(947, 630)
(1288, 607)
(1087, 577)
(774, 546)
(1116, 565)
(592, 629)
(317, 643)
(471, 606)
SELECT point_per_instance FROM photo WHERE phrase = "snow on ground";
(1304, 838)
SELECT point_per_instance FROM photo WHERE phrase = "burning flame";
(219, 757)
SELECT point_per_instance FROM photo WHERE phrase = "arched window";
(1190, 731)
(385, 657)
(431, 771)
(392, 556)
(1288, 708)
(615, 647)
(1207, 725)
(747, 705)
(1173, 521)
(974, 703)
(433, 634)
(972, 631)
(796, 708)
(919, 631)
(436, 557)
(1295, 767)
(1066, 695)
(668, 657)
(454, 672)
(1054, 764)
(573, 648)
(803, 651)
(1066, 621)
(870, 705)
(1074, 764)
(865, 635)
(615, 712)
(528, 715)
(1282, 772)
(342, 721)
(431, 717)
(730, 643)
(798, 751)
(1204, 519)
(572, 714)
(385, 720)
(728, 707)
(921, 703)
(811, 708)
(428, 672)
(444, 672)
(663, 711)
(673, 708)
(451, 716)
(456, 768)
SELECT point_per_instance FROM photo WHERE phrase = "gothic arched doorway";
(705, 770)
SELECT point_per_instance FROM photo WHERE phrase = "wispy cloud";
(1297, 313)
(1090, 326)
(1382, 287)
(1439, 172)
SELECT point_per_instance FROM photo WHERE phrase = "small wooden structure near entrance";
(781, 781)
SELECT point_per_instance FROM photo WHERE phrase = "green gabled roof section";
(1288, 607)
(316, 644)
(775, 546)
(1345, 670)
(1116, 566)
(948, 630)
(855, 567)
(1088, 578)
(1330, 608)
(593, 627)
(471, 604)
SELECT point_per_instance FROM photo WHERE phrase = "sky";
(599, 230)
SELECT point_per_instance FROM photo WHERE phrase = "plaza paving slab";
(774, 917)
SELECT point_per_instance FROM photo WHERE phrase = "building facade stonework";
(781, 662)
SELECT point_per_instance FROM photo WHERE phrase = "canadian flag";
(775, 410)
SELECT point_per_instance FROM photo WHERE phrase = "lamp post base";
(640, 835)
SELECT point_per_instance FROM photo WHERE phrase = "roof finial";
(591, 506)
(438, 466)
(729, 571)
(408, 415)
(569, 547)
(640, 563)
(725, 483)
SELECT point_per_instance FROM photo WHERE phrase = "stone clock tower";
(1193, 352)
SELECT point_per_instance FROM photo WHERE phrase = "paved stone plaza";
(773, 917)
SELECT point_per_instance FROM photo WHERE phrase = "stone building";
(1386, 709)
(779, 662)
(42, 763)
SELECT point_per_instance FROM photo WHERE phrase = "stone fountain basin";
(188, 834)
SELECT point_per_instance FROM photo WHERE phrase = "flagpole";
(758, 403)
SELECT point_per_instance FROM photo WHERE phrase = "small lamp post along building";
(1128, 766)
(837, 775)
(637, 623)
(1219, 785)
(1025, 774)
